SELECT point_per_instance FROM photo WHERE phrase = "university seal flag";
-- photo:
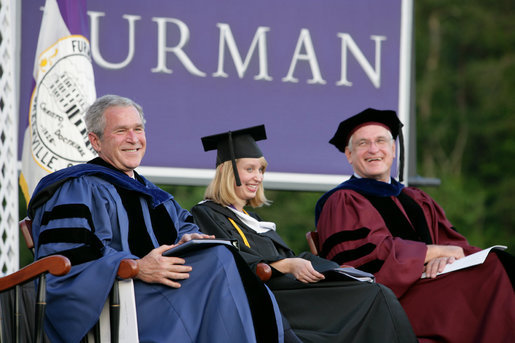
(64, 87)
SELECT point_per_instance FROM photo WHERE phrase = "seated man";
(103, 211)
(374, 223)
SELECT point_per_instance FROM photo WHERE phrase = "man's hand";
(300, 268)
(437, 265)
(438, 256)
(189, 236)
(156, 268)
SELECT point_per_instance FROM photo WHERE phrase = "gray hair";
(94, 117)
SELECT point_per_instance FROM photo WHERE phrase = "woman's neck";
(239, 205)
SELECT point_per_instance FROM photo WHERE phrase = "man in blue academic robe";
(101, 212)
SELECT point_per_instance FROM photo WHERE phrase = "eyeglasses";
(380, 142)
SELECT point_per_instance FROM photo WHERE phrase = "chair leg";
(114, 312)
(40, 309)
(17, 314)
(96, 333)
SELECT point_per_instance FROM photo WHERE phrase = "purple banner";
(204, 67)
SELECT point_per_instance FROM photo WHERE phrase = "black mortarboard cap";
(235, 144)
(387, 118)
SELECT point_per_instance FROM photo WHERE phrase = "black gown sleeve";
(212, 222)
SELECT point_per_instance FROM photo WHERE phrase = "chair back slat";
(312, 238)
(26, 230)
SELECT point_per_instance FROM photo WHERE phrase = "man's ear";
(348, 153)
(95, 141)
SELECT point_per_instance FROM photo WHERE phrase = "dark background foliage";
(465, 86)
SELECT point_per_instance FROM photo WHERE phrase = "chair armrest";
(128, 268)
(56, 265)
(264, 271)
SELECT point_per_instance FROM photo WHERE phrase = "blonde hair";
(221, 188)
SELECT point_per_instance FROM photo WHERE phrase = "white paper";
(469, 261)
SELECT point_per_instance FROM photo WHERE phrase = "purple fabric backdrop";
(181, 107)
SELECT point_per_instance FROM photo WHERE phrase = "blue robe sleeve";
(91, 209)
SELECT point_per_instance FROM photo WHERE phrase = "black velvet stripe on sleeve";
(354, 254)
(372, 266)
(89, 251)
(68, 211)
(70, 235)
(343, 236)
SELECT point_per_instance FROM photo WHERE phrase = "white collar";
(359, 177)
(253, 223)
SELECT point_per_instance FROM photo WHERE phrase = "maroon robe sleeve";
(402, 260)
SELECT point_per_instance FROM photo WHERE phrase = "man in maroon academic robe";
(374, 223)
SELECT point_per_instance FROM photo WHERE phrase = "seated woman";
(318, 309)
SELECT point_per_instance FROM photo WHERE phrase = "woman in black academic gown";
(318, 309)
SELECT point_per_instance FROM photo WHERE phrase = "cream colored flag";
(56, 136)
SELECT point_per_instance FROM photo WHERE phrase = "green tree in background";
(465, 86)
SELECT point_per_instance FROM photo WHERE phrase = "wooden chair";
(56, 265)
(313, 242)
(127, 270)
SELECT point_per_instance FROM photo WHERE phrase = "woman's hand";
(301, 269)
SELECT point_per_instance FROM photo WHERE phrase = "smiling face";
(251, 172)
(371, 152)
(123, 143)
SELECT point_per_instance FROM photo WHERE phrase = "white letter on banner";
(241, 67)
(95, 51)
(305, 40)
(162, 49)
(373, 74)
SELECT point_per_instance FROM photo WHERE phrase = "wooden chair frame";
(56, 265)
(59, 265)
(313, 242)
